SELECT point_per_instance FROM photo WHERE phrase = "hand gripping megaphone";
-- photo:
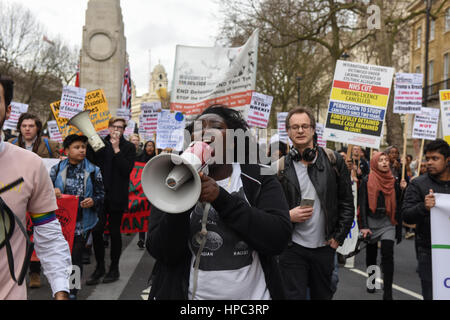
(171, 182)
(83, 122)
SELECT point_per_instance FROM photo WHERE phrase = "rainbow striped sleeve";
(39, 219)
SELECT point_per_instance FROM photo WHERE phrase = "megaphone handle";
(203, 233)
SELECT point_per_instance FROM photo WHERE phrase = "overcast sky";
(149, 25)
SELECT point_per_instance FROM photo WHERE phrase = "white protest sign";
(350, 242)
(259, 110)
(72, 102)
(444, 96)
(170, 133)
(408, 92)
(426, 124)
(129, 130)
(319, 131)
(440, 246)
(124, 113)
(358, 103)
(148, 120)
(53, 131)
(49, 163)
(281, 124)
(204, 76)
(16, 110)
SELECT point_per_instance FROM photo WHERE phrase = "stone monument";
(103, 53)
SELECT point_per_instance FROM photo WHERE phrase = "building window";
(432, 27)
(447, 19)
(419, 37)
(418, 69)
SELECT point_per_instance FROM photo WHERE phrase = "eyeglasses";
(117, 127)
(297, 127)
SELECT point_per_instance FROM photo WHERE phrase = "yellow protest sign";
(100, 115)
(445, 113)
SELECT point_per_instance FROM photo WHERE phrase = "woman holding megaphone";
(225, 250)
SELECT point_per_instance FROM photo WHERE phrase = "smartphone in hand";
(307, 203)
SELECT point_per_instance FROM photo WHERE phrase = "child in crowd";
(77, 176)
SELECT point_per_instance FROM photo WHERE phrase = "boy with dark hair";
(418, 201)
(79, 177)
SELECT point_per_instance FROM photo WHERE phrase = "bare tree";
(39, 66)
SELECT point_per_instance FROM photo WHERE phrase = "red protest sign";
(135, 219)
(67, 217)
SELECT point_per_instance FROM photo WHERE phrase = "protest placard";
(444, 96)
(72, 101)
(281, 125)
(95, 101)
(148, 120)
(170, 132)
(321, 142)
(426, 124)
(135, 219)
(205, 76)
(16, 110)
(440, 246)
(358, 103)
(67, 217)
(408, 93)
(53, 131)
(129, 130)
(124, 113)
(259, 110)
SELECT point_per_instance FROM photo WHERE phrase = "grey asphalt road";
(136, 266)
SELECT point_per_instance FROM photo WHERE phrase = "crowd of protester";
(268, 236)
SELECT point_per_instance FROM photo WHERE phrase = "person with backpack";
(30, 138)
(317, 185)
(79, 177)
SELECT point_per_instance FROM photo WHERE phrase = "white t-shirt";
(229, 269)
(311, 233)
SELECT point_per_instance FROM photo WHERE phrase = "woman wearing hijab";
(148, 153)
(379, 214)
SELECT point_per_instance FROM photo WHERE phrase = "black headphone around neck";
(309, 154)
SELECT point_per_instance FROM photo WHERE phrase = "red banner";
(67, 216)
(136, 218)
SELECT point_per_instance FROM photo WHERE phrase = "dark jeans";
(79, 244)
(304, 268)
(114, 218)
(425, 272)
(387, 263)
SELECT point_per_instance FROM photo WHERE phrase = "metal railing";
(432, 91)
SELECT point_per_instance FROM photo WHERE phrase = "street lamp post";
(299, 78)
(427, 38)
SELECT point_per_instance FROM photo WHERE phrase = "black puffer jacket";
(264, 225)
(332, 185)
(413, 209)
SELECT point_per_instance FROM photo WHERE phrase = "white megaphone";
(83, 122)
(171, 182)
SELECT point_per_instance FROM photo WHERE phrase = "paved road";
(136, 266)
